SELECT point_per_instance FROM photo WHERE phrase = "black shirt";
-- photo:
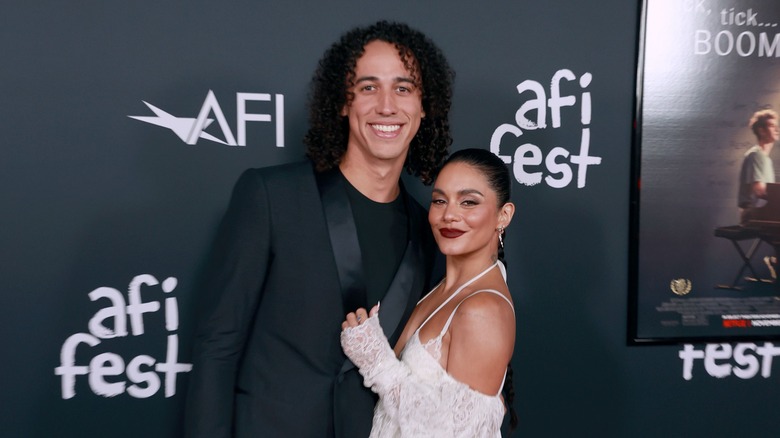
(382, 230)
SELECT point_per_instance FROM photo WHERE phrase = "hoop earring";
(500, 236)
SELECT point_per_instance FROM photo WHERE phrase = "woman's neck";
(460, 270)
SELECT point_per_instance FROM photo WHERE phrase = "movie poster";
(703, 268)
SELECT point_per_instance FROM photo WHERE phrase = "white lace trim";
(417, 396)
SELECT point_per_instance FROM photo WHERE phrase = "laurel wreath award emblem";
(680, 286)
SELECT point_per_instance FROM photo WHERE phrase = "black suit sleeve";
(230, 296)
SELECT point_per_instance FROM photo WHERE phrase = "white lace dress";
(417, 398)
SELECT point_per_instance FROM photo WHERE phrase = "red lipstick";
(450, 233)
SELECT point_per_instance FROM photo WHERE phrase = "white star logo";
(183, 127)
(190, 129)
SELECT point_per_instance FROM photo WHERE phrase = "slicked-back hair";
(490, 166)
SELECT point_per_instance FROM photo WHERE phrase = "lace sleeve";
(367, 347)
(414, 402)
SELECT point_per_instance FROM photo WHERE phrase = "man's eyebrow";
(374, 78)
(404, 79)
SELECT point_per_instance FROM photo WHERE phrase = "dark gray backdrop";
(94, 198)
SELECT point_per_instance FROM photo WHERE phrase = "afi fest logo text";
(744, 33)
(529, 164)
(722, 360)
(189, 129)
(107, 373)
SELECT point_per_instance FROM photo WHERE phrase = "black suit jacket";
(267, 359)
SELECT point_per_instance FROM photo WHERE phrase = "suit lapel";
(343, 238)
(401, 296)
(399, 301)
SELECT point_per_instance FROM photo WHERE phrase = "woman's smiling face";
(464, 212)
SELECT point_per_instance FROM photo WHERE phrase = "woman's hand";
(359, 316)
(365, 344)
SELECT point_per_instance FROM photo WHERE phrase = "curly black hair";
(326, 140)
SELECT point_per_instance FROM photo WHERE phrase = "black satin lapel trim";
(343, 238)
(406, 287)
(399, 300)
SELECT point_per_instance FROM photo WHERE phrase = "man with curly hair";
(304, 243)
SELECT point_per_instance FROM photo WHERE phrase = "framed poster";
(704, 236)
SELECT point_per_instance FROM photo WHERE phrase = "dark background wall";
(94, 199)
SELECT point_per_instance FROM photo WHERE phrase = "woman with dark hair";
(455, 349)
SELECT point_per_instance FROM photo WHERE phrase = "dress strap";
(501, 388)
(501, 268)
(449, 320)
(431, 291)
(475, 278)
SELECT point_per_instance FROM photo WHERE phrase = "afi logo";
(529, 161)
(189, 130)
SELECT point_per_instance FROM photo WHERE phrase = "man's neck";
(376, 181)
(766, 147)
